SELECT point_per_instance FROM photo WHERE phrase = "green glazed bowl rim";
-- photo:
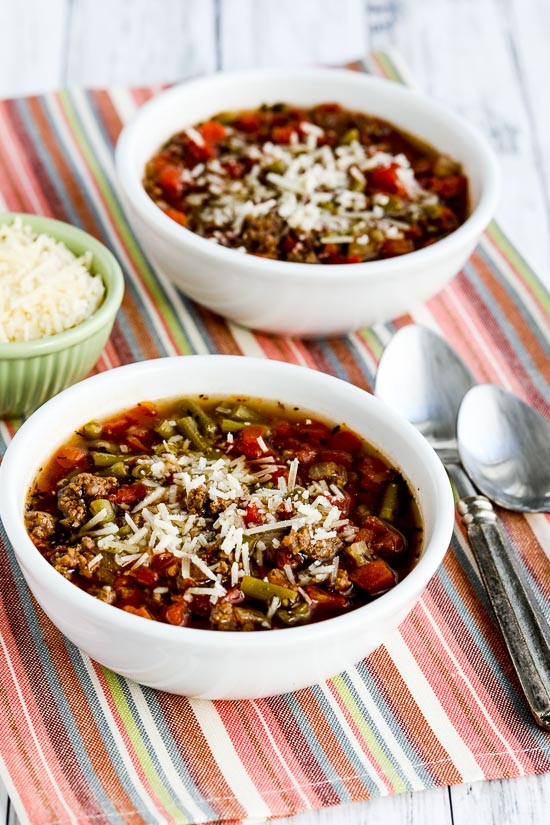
(78, 241)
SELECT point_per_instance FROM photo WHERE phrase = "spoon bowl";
(504, 445)
(422, 377)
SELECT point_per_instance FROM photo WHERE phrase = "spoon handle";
(524, 627)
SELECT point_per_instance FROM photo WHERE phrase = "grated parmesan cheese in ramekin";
(44, 288)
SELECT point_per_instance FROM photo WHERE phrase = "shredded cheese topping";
(44, 288)
(162, 521)
(315, 188)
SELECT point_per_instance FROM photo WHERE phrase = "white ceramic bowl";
(295, 298)
(215, 664)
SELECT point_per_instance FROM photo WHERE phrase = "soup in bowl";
(241, 495)
(296, 240)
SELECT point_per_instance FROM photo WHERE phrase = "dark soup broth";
(226, 513)
(324, 184)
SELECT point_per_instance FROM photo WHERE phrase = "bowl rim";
(387, 604)
(113, 281)
(266, 268)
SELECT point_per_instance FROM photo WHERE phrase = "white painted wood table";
(487, 59)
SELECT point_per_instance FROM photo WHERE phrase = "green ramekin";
(33, 371)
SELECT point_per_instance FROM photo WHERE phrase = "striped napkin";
(438, 705)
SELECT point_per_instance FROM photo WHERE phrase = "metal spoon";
(420, 375)
(504, 445)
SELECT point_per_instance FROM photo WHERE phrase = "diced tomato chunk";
(374, 578)
(177, 614)
(306, 456)
(326, 601)
(233, 596)
(397, 246)
(138, 611)
(115, 429)
(289, 243)
(252, 517)
(122, 580)
(71, 458)
(212, 131)
(448, 187)
(143, 433)
(236, 169)
(248, 122)
(200, 604)
(140, 414)
(139, 439)
(380, 538)
(135, 444)
(177, 216)
(281, 430)
(373, 472)
(129, 493)
(166, 564)
(170, 181)
(200, 154)
(128, 594)
(329, 107)
(279, 472)
(282, 134)
(344, 440)
(145, 576)
(312, 430)
(447, 220)
(338, 456)
(343, 503)
(247, 441)
(386, 179)
(344, 259)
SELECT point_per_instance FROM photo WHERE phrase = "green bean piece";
(299, 613)
(104, 459)
(92, 430)
(444, 166)
(362, 511)
(244, 413)
(390, 502)
(433, 211)
(187, 426)
(141, 471)
(173, 447)
(213, 455)
(357, 185)
(100, 504)
(105, 446)
(360, 249)
(67, 478)
(165, 429)
(395, 206)
(278, 167)
(118, 470)
(350, 136)
(229, 426)
(225, 117)
(265, 591)
(205, 422)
